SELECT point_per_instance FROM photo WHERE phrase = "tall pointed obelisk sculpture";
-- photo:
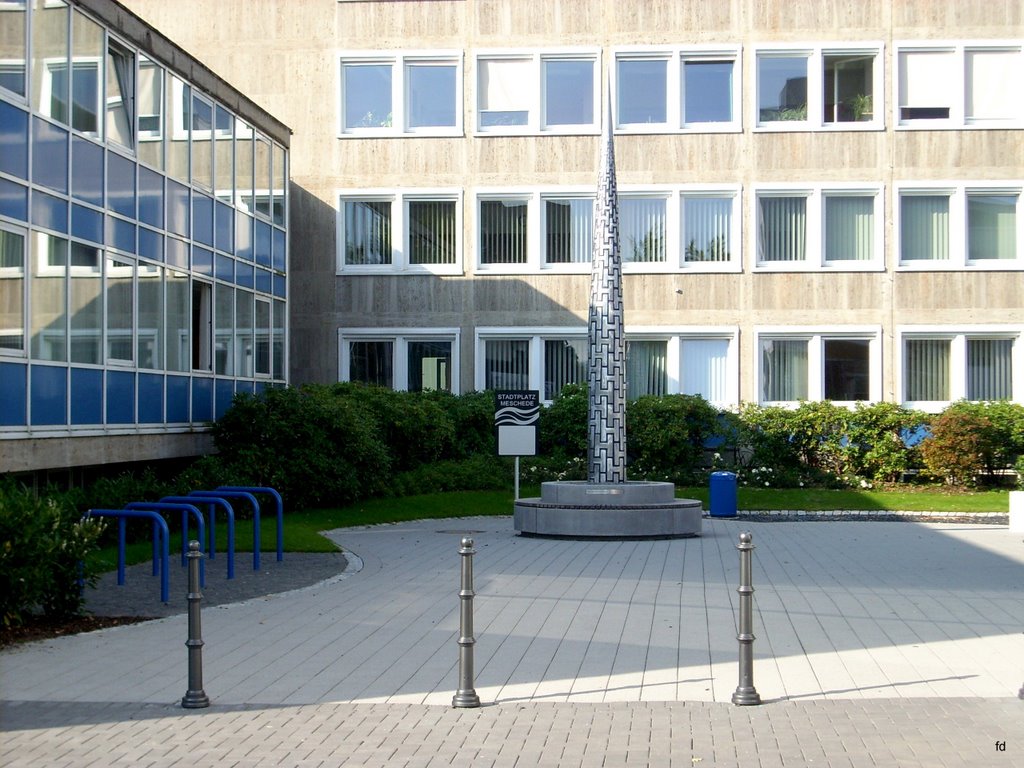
(606, 437)
(606, 505)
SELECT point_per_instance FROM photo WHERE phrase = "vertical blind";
(704, 368)
(646, 368)
(507, 364)
(989, 369)
(367, 232)
(565, 362)
(503, 231)
(783, 370)
(431, 226)
(924, 227)
(569, 231)
(642, 226)
(991, 226)
(782, 229)
(707, 224)
(926, 369)
(849, 228)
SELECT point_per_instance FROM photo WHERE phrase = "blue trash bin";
(723, 494)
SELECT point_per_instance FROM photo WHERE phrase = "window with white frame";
(692, 228)
(819, 227)
(943, 365)
(959, 84)
(529, 92)
(384, 93)
(659, 361)
(12, 291)
(665, 90)
(955, 226)
(832, 87)
(388, 231)
(841, 365)
(413, 360)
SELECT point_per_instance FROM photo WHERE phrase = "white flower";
(766, 484)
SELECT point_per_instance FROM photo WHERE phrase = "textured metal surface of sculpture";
(607, 359)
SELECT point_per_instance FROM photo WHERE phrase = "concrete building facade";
(143, 240)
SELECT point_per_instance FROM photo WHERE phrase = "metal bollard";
(745, 693)
(195, 697)
(466, 696)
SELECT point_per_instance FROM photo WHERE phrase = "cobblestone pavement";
(877, 644)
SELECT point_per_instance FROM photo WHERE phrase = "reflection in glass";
(86, 303)
(243, 166)
(372, 362)
(177, 346)
(202, 142)
(568, 231)
(50, 85)
(120, 91)
(367, 95)
(120, 302)
(430, 366)
(86, 60)
(431, 95)
(707, 91)
(280, 313)
(243, 334)
(642, 90)
(12, 47)
(847, 369)
(568, 92)
(12, 290)
(642, 227)
(179, 108)
(367, 232)
(151, 111)
(991, 226)
(262, 341)
(505, 92)
(262, 176)
(849, 87)
(782, 88)
(707, 228)
(151, 314)
(48, 297)
(280, 185)
(783, 370)
(87, 170)
(224, 155)
(224, 329)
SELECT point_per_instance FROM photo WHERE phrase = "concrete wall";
(284, 55)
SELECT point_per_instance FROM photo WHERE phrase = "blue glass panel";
(264, 280)
(120, 397)
(243, 236)
(86, 396)
(244, 386)
(177, 252)
(202, 260)
(225, 392)
(280, 251)
(121, 185)
(13, 140)
(202, 400)
(260, 387)
(177, 399)
(225, 234)
(13, 394)
(86, 223)
(49, 155)
(225, 268)
(86, 170)
(245, 276)
(202, 218)
(263, 244)
(13, 200)
(177, 208)
(121, 234)
(151, 197)
(151, 398)
(151, 244)
(49, 395)
(49, 212)
(280, 286)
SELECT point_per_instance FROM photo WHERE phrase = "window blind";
(926, 369)
(707, 224)
(642, 226)
(570, 231)
(991, 226)
(989, 369)
(704, 368)
(507, 364)
(782, 231)
(503, 232)
(993, 84)
(367, 232)
(431, 226)
(565, 362)
(783, 370)
(924, 227)
(849, 228)
(646, 368)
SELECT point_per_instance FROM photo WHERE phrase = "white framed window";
(385, 93)
(841, 364)
(668, 90)
(659, 360)
(960, 84)
(408, 359)
(952, 225)
(661, 229)
(528, 92)
(13, 286)
(386, 231)
(815, 87)
(942, 364)
(835, 227)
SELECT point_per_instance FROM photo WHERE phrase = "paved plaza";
(878, 643)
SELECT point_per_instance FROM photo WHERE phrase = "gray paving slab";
(885, 643)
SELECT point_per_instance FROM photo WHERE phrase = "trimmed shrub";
(666, 436)
(877, 448)
(957, 447)
(564, 424)
(44, 548)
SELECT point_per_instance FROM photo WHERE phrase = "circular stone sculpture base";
(630, 510)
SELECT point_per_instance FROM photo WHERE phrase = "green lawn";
(302, 528)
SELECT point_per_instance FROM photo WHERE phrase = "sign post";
(516, 416)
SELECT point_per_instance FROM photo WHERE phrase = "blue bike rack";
(206, 495)
(185, 509)
(160, 531)
(210, 505)
(254, 489)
